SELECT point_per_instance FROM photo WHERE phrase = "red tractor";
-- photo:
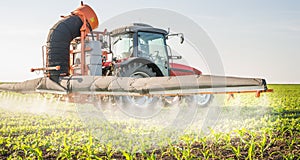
(138, 50)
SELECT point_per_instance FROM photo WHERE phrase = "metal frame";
(181, 92)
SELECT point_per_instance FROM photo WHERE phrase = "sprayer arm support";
(45, 69)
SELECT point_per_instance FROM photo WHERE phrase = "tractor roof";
(135, 27)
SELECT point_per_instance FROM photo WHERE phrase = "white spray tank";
(93, 58)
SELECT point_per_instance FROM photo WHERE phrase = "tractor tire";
(144, 106)
(137, 70)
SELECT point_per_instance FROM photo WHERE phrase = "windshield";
(122, 45)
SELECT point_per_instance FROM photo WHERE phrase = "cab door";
(153, 47)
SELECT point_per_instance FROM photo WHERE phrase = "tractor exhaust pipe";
(81, 22)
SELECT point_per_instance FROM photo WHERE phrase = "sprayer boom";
(153, 86)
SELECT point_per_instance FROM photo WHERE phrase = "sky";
(254, 38)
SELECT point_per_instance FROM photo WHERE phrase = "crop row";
(250, 128)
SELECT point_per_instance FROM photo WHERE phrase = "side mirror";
(181, 39)
(177, 34)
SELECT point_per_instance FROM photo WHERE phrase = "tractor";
(137, 50)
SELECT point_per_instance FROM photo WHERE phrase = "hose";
(58, 44)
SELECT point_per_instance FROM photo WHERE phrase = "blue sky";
(254, 38)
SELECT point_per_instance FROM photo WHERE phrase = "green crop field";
(40, 127)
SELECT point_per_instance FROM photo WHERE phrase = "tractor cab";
(143, 43)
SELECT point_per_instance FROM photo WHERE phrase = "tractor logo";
(92, 19)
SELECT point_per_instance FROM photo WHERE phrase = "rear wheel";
(138, 106)
(137, 70)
